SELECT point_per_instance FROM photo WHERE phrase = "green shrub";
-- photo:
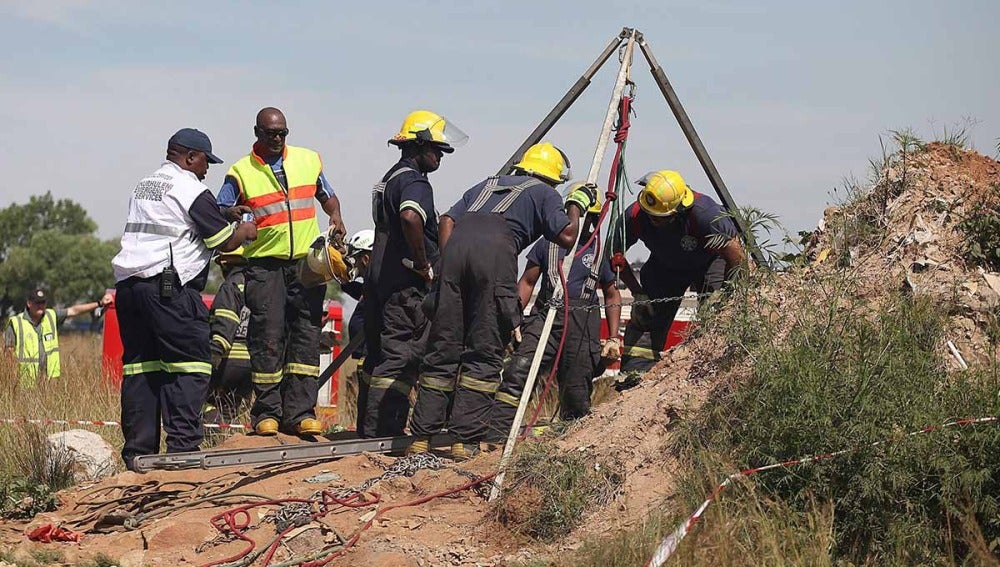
(22, 499)
(843, 377)
(981, 226)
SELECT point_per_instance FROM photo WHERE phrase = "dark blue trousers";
(167, 367)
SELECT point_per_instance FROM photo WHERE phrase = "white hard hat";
(363, 240)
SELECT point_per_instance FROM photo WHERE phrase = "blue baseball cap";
(193, 139)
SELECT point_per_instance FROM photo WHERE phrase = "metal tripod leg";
(536, 361)
(567, 100)
(699, 149)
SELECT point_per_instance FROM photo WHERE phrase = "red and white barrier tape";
(107, 423)
(669, 544)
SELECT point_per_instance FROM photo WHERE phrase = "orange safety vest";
(286, 220)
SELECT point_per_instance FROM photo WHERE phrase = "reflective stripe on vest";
(28, 355)
(286, 219)
(159, 230)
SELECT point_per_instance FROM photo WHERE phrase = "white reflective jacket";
(158, 221)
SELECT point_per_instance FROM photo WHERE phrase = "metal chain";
(559, 304)
(482, 489)
(292, 514)
(404, 466)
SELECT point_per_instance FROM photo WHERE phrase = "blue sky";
(789, 97)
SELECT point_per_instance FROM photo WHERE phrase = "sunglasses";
(281, 132)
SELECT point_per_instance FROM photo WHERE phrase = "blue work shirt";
(412, 191)
(229, 195)
(579, 271)
(689, 243)
(538, 211)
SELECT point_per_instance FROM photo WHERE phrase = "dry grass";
(80, 393)
(548, 490)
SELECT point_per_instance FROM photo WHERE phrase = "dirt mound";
(906, 234)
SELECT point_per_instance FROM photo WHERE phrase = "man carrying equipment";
(477, 303)
(406, 246)
(582, 349)
(173, 226)
(691, 244)
(277, 183)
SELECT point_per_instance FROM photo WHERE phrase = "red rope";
(236, 520)
(621, 136)
(357, 535)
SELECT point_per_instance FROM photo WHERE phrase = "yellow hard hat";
(664, 193)
(430, 127)
(574, 185)
(545, 160)
(323, 263)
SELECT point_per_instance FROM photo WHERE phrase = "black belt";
(271, 262)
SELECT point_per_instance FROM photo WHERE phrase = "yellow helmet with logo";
(664, 193)
(547, 161)
(431, 127)
(574, 185)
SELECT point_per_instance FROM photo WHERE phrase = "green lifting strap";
(616, 234)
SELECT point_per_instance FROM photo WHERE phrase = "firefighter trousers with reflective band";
(646, 337)
(166, 366)
(477, 309)
(396, 332)
(577, 365)
(283, 340)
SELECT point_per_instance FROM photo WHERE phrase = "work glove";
(585, 196)
(611, 349)
(515, 341)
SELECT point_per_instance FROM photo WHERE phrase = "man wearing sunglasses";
(691, 244)
(32, 336)
(278, 183)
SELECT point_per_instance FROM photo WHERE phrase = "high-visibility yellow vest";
(286, 221)
(27, 346)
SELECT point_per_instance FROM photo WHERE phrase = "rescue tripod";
(312, 452)
(630, 37)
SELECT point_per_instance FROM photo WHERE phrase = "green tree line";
(52, 244)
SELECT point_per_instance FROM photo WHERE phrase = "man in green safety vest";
(32, 336)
